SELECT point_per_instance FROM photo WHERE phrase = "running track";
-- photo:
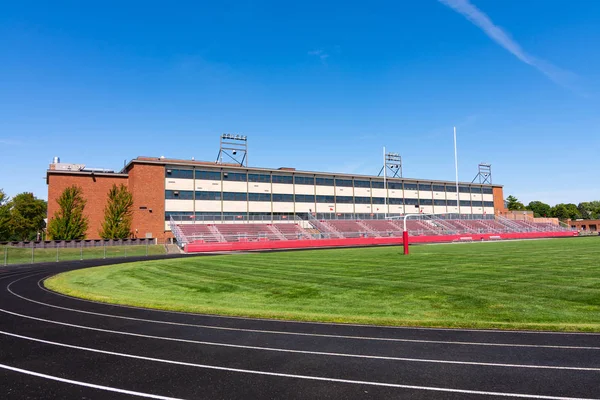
(52, 346)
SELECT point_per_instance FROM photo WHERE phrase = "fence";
(75, 250)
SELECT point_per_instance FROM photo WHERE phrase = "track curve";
(54, 346)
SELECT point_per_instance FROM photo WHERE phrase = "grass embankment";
(543, 284)
(17, 255)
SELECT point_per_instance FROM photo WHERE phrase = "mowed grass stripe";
(543, 284)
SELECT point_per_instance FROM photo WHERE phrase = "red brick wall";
(95, 191)
(498, 200)
(147, 183)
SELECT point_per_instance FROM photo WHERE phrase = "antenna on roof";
(235, 147)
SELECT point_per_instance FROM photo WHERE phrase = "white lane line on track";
(416, 328)
(307, 377)
(90, 385)
(307, 352)
(303, 334)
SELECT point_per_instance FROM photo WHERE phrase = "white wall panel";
(324, 190)
(235, 187)
(305, 207)
(283, 207)
(259, 206)
(362, 192)
(208, 186)
(362, 208)
(464, 196)
(304, 189)
(344, 208)
(425, 195)
(208, 205)
(283, 188)
(179, 184)
(259, 187)
(179, 205)
(235, 206)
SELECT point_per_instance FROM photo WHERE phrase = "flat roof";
(283, 170)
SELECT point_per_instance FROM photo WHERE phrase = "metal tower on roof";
(235, 147)
(484, 174)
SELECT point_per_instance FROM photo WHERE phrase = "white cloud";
(323, 56)
(497, 34)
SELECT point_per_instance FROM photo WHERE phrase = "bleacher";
(248, 232)
(292, 231)
(198, 232)
(341, 228)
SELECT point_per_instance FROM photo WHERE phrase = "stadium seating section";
(352, 229)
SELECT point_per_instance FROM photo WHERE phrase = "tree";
(4, 217)
(26, 215)
(117, 214)
(589, 209)
(513, 204)
(68, 222)
(539, 209)
(560, 211)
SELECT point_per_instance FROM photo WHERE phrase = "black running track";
(52, 346)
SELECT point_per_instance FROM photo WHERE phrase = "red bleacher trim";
(198, 247)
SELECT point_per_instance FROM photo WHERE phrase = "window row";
(307, 198)
(319, 181)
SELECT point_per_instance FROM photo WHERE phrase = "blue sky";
(314, 85)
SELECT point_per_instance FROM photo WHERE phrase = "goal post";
(405, 230)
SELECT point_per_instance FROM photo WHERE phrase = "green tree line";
(22, 217)
(583, 210)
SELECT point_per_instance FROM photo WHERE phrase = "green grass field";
(541, 284)
(15, 255)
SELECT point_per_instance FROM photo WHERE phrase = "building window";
(235, 176)
(324, 181)
(439, 202)
(488, 204)
(377, 184)
(235, 196)
(304, 180)
(362, 184)
(305, 198)
(179, 173)
(488, 190)
(283, 179)
(396, 201)
(179, 195)
(451, 189)
(394, 185)
(201, 195)
(425, 187)
(439, 188)
(344, 199)
(325, 199)
(426, 202)
(411, 202)
(343, 182)
(410, 186)
(259, 178)
(208, 175)
(283, 198)
(465, 203)
(362, 200)
(464, 189)
(259, 196)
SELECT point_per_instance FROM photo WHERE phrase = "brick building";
(208, 192)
